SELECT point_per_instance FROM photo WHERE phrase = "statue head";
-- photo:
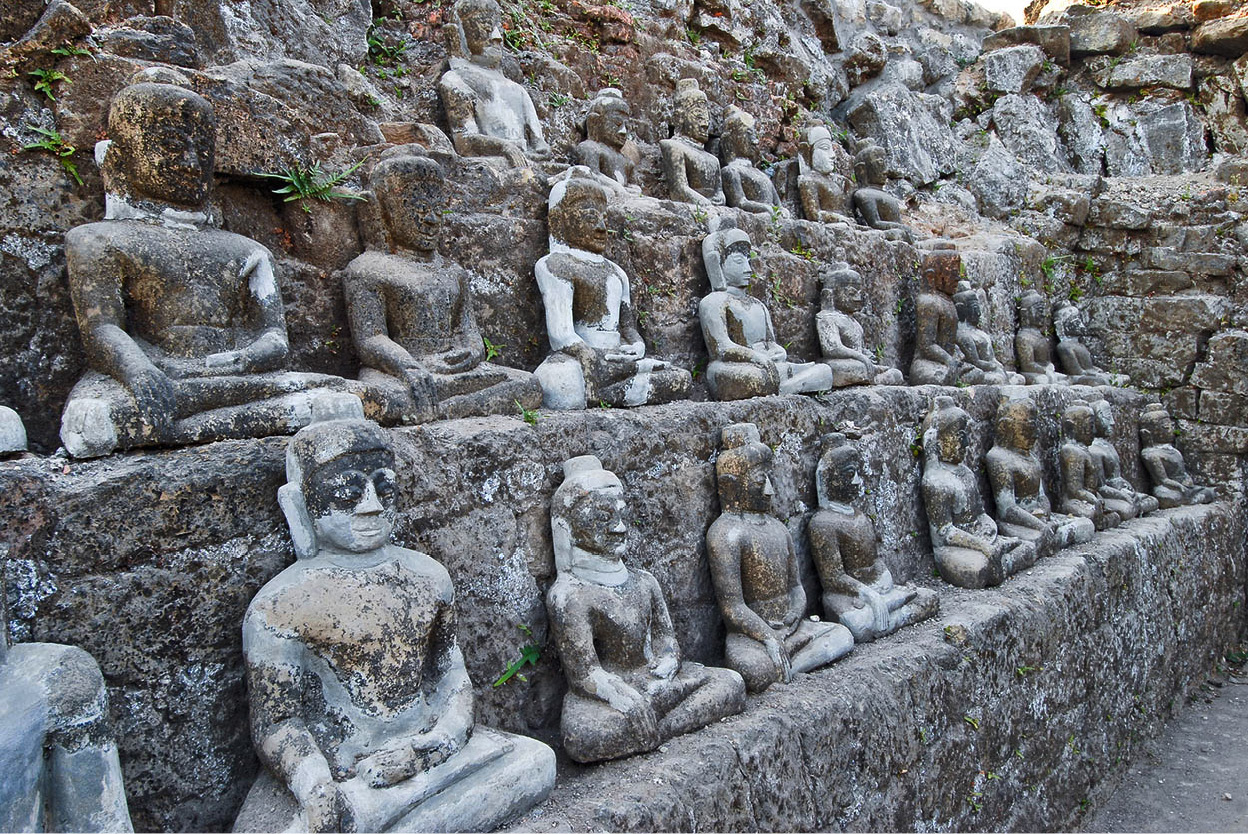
(1156, 427)
(818, 148)
(741, 470)
(838, 473)
(340, 493)
(577, 213)
(1104, 413)
(740, 139)
(946, 431)
(941, 270)
(1078, 421)
(161, 144)
(1033, 310)
(409, 190)
(587, 516)
(607, 120)
(693, 112)
(1016, 424)
(1067, 321)
(842, 286)
(726, 255)
(481, 23)
(966, 300)
(869, 164)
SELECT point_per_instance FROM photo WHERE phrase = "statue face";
(1104, 418)
(841, 479)
(1157, 428)
(412, 207)
(1017, 426)
(694, 117)
(581, 221)
(848, 294)
(952, 440)
(352, 502)
(736, 267)
(484, 35)
(1031, 312)
(757, 491)
(1079, 424)
(869, 166)
(164, 138)
(968, 308)
(598, 522)
(741, 140)
(612, 128)
(821, 152)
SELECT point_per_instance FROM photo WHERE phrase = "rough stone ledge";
(1002, 714)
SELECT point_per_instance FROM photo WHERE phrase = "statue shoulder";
(424, 565)
(70, 676)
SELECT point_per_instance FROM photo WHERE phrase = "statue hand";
(265, 353)
(389, 765)
(779, 657)
(515, 156)
(437, 745)
(326, 809)
(540, 150)
(226, 362)
(453, 361)
(666, 667)
(155, 398)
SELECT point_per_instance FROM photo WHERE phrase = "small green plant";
(492, 350)
(558, 100)
(603, 404)
(1074, 293)
(529, 416)
(69, 50)
(801, 251)
(45, 78)
(1024, 671)
(698, 213)
(382, 54)
(304, 184)
(778, 294)
(972, 720)
(55, 144)
(974, 800)
(693, 36)
(530, 653)
(1102, 112)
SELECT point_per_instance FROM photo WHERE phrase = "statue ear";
(295, 508)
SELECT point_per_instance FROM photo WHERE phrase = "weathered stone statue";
(692, 172)
(60, 765)
(598, 355)
(1172, 485)
(607, 150)
(361, 708)
(629, 690)
(936, 321)
(969, 550)
(411, 311)
(745, 360)
(489, 114)
(840, 334)
(1023, 508)
(1033, 347)
(858, 589)
(1082, 476)
(825, 193)
(755, 574)
(979, 363)
(745, 187)
(1106, 456)
(182, 323)
(875, 206)
(1076, 360)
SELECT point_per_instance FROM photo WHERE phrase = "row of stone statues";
(184, 330)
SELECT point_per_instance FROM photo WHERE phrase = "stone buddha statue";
(692, 172)
(755, 573)
(858, 588)
(825, 193)
(745, 359)
(969, 549)
(607, 149)
(1172, 485)
(1106, 456)
(1075, 358)
(182, 323)
(629, 689)
(840, 334)
(361, 708)
(60, 766)
(875, 206)
(1023, 508)
(979, 363)
(1033, 347)
(1082, 476)
(411, 311)
(597, 354)
(936, 321)
(745, 187)
(489, 114)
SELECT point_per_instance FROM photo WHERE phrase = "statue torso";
(701, 167)
(423, 301)
(499, 102)
(762, 544)
(855, 537)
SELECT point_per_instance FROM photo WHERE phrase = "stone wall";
(149, 560)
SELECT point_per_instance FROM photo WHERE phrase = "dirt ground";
(1194, 777)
